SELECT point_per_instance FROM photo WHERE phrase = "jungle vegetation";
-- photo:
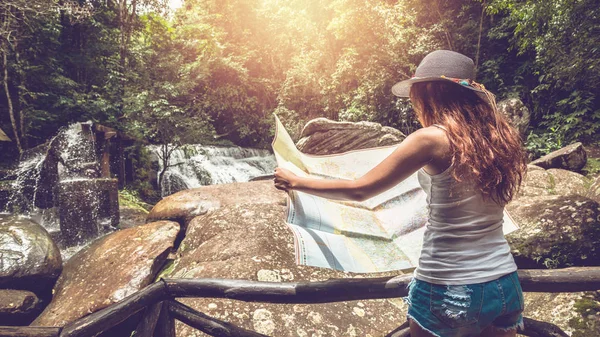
(216, 70)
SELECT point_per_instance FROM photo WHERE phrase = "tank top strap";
(440, 127)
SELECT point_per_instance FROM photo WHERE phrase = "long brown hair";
(485, 148)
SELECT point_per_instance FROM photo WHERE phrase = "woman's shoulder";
(433, 135)
(439, 147)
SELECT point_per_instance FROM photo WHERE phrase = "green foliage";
(130, 198)
(563, 65)
(144, 185)
(215, 71)
(592, 167)
(575, 116)
(541, 143)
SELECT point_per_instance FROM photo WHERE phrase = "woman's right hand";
(284, 179)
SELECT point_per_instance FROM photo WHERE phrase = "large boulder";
(572, 158)
(323, 136)
(517, 114)
(17, 306)
(558, 218)
(29, 259)
(252, 242)
(593, 191)
(540, 182)
(185, 205)
(556, 231)
(109, 270)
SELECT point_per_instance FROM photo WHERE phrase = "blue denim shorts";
(466, 310)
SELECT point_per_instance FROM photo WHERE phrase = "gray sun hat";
(443, 65)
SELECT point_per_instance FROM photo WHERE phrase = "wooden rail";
(161, 310)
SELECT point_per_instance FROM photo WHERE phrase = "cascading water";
(58, 186)
(23, 187)
(196, 165)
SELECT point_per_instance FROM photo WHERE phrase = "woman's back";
(463, 242)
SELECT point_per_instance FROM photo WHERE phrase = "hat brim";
(402, 88)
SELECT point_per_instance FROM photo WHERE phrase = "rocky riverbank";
(237, 231)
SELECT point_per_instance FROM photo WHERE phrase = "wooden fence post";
(148, 323)
(165, 326)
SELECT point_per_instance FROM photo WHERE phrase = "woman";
(470, 163)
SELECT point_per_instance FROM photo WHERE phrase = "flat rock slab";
(252, 242)
(322, 136)
(29, 259)
(185, 205)
(109, 270)
(572, 157)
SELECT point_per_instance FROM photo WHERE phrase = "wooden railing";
(161, 309)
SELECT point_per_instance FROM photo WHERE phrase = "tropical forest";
(137, 147)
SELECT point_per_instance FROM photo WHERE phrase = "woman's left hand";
(284, 179)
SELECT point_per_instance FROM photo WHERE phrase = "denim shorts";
(466, 310)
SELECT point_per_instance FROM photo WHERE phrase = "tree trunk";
(447, 33)
(20, 112)
(165, 164)
(122, 50)
(11, 111)
(479, 37)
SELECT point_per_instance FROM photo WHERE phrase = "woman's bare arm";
(416, 151)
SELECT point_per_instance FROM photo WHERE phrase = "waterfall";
(24, 186)
(196, 165)
(58, 185)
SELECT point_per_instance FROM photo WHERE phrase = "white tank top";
(463, 242)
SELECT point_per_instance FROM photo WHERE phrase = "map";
(383, 233)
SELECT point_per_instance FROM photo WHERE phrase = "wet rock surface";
(109, 270)
(572, 157)
(323, 136)
(252, 242)
(6, 190)
(185, 205)
(131, 216)
(83, 205)
(17, 306)
(29, 259)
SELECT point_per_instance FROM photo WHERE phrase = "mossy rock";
(556, 231)
(574, 313)
(587, 322)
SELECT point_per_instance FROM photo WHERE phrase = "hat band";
(462, 81)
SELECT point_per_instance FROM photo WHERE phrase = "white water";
(23, 195)
(76, 162)
(198, 165)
